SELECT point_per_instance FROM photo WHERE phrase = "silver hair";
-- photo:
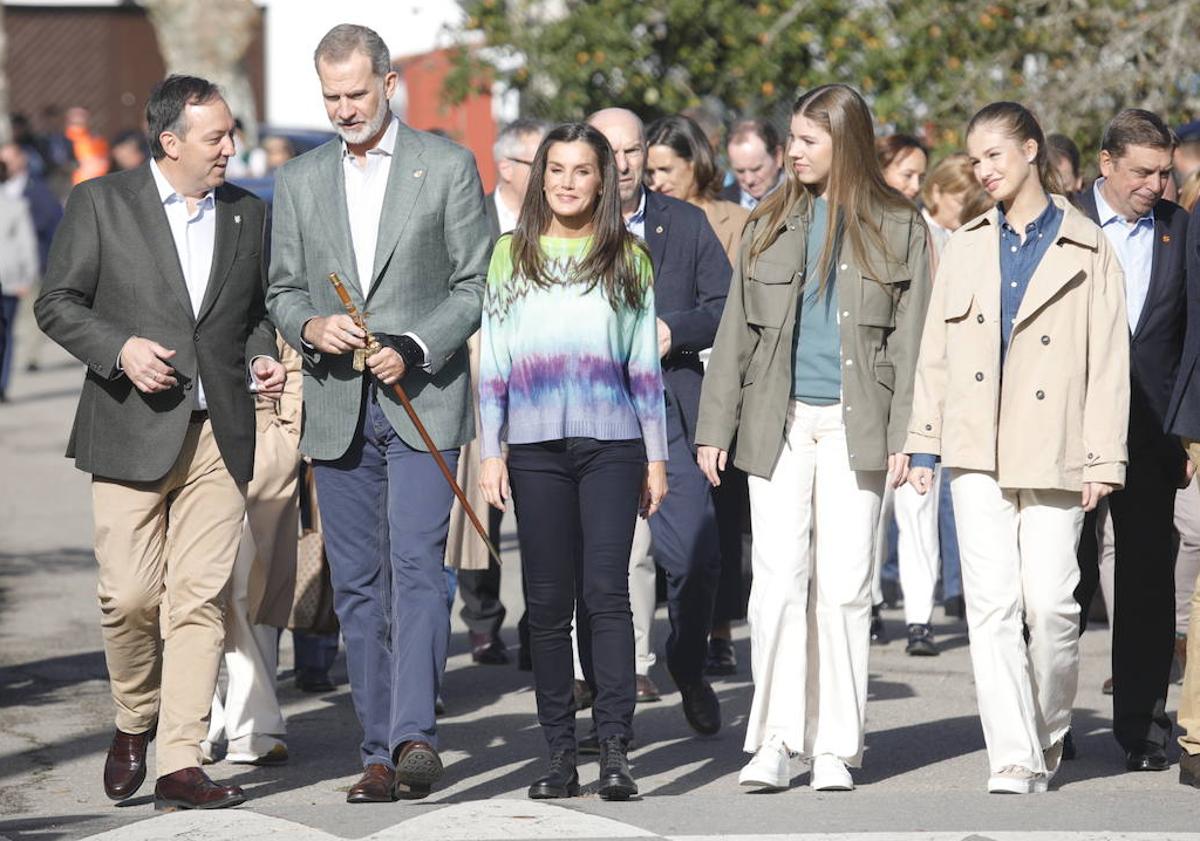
(508, 141)
(345, 39)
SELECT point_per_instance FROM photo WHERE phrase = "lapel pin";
(237, 220)
(1166, 238)
(658, 230)
(417, 173)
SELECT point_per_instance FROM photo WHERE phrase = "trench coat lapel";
(1060, 265)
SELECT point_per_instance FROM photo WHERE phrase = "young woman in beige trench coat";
(1022, 389)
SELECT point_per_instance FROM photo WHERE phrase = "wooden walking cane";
(402, 396)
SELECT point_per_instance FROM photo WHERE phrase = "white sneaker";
(257, 750)
(1053, 756)
(829, 773)
(770, 768)
(1016, 779)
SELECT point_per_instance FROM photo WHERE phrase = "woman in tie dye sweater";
(570, 380)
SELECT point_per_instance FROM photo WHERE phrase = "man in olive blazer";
(398, 214)
(155, 282)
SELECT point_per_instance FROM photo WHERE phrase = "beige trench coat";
(464, 548)
(1058, 416)
(273, 499)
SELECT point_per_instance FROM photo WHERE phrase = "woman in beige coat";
(1029, 413)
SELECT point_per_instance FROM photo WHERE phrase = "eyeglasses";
(520, 161)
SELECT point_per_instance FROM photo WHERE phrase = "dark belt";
(199, 416)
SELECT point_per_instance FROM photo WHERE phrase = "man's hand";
(897, 468)
(269, 377)
(145, 363)
(1093, 492)
(387, 365)
(493, 481)
(334, 334)
(711, 461)
(664, 339)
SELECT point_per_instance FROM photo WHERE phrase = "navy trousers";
(687, 547)
(385, 512)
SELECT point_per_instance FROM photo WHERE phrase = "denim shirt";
(1018, 261)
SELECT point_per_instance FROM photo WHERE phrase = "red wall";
(469, 123)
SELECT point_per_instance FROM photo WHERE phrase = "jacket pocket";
(877, 303)
(768, 293)
(957, 304)
(885, 375)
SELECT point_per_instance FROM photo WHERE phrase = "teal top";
(817, 344)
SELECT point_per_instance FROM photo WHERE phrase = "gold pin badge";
(417, 173)
(1166, 238)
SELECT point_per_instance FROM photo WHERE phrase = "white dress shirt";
(195, 236)
(366, 187)
(505, 217)
(1134, 244)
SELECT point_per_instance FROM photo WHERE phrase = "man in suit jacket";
(399, 215)
(756, 158)
(155, 282)
(1183, 419)
(691, 280)
(1149, 235)
(478, 573)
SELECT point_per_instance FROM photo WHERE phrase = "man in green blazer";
(399, 215)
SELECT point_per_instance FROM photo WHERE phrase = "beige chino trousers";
(165, 551)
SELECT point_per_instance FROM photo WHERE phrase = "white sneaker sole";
(832, 785)
(1007, 785)
(756, 778)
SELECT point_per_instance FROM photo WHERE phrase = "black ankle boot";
(562, 780)
(616, 783)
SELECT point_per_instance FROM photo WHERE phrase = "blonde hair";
(953, 176)
(1189, 191)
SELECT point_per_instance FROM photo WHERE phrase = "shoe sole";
(763, 785)
(1188, 779)
(416, 774)
(1002, 786)
(833, 787)
(547, 793)
(617, 792)
(359, 799)
(162, 804)
(922, 652)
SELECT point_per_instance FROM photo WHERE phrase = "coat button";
(1045, 340)
(1041, 395)
(929, 427)
(187, 386)
(979, 318)
(1091, 455)
(850, 363)
(844, 267)
(196, 336)
(979, 376)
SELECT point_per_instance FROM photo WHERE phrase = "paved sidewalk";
(923, 775)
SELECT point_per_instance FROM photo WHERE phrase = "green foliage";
(923, 64)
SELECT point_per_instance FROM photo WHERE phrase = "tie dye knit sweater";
(559, 362)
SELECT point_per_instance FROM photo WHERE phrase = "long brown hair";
(1018, 123)
(610, 262)
(685, 138)
(856, 190)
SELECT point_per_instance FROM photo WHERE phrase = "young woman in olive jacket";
(1029, 415)
(809, 387)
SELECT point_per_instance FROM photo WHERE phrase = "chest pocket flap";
(958, 301)
(768, 292)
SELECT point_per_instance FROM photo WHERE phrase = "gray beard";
(369, 130)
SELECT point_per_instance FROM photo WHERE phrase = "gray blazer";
(431, 264)
(113, 273)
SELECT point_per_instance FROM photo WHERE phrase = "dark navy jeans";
(576, 501)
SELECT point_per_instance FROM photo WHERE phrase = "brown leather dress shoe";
(646, 690)
(418, 767)
(374, 786)
(125, 765)
(191, 788)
